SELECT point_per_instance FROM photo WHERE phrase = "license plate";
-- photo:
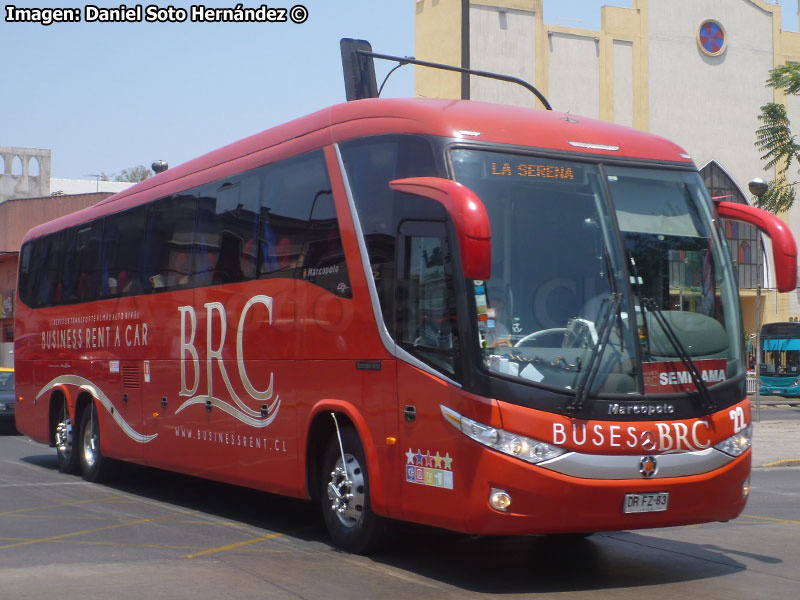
(640, 503)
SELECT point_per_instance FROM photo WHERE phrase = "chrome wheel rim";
(64, 437)
(90, 444)
(346, 491)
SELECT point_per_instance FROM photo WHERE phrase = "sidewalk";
(776, 442)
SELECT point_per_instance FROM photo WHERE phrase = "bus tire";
(65, 437)
(94, 466)
(346, 509)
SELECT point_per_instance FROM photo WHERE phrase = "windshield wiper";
(612, 284)
(595, 359)
(706, 403)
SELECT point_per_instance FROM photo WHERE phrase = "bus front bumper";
(543, 501)
(786, 392)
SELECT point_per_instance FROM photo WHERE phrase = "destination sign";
(507, 169)
(673, 377)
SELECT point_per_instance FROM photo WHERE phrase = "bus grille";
(130, 377)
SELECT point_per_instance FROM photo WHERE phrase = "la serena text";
(532, 170)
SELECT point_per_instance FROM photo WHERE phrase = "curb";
(786, 462)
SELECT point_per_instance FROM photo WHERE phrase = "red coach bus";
(489, 319)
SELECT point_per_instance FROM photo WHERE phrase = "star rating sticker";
(418, 457)
(410, 457)
(428, 459)
(447, 461)
(438, 460)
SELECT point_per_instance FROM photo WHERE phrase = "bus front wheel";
(345, 495)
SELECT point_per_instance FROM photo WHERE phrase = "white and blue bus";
(780, 359)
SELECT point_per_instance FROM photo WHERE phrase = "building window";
(711, 37)
(743, 240)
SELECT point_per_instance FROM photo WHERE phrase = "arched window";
(16, 166)
(741, 238)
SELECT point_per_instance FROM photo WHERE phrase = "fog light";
(746, 488)
(499, 500)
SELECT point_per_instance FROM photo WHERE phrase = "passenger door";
(427, 336)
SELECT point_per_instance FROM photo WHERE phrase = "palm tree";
(774, 138)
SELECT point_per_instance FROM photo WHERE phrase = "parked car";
(7, 399)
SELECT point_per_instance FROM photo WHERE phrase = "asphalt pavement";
(776, 436)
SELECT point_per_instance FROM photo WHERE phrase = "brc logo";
(215, 311)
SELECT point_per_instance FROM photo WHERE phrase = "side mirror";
(468, 215)
(358, 70)
(783, 245)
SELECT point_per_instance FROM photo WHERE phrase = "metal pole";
(758, 344)
(758, 188)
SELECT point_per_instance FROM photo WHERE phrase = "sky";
(104, 97)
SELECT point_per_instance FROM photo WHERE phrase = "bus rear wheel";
(345, 496)
(94, 466)
(65, 442)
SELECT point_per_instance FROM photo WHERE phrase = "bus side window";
(168, 242)
(61, 268)
(41, 275)
(371, 163)
(288, 193)
(227, 223)
(426, 316)
(323, 257)
(123, 236)
(42, 271)
(86, 261)
(25, 275)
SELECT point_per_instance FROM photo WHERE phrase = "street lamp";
(758, 188)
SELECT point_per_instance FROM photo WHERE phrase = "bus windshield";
(601, 276)
(781, 350)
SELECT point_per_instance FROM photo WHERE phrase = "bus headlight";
(738, 443)
(518, 446)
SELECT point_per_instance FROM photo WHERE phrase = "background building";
(25, 173)
(693, 71)
(16, 218)
(29, 197)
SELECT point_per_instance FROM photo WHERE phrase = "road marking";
(787, 462)
(772, 519)
(49, 506)
(10, 485)
(234, 546)
(158, 546)
(95, 530)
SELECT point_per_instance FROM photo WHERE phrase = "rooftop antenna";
(97, 177)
